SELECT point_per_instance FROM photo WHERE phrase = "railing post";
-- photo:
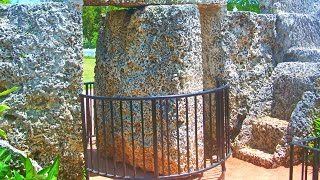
(315, 173)
(84, 137)
(291, 161)
(155, 136)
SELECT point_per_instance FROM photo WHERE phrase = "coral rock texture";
(290, 81)
(297, 36)
(41, 53)
(137, 3)
(290, 6)
(248, 44)
(155, 50)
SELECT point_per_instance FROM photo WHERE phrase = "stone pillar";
(154, 50)
(213, 58)
(41, 53)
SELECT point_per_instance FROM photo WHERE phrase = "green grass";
(88, 71)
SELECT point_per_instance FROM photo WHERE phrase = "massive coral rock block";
(290, 6)
(302, 54)
(41, 53)
(248, 46)
(137, 3)
(213, 60)
(262, 141)
(307, 109)
(290, 81)
(295, 34)
(151, 51)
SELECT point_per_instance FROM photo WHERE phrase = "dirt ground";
(241, 170)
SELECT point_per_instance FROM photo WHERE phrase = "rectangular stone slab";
(137, 3)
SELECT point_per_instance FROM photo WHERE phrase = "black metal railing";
(155, 137)
(306, 151)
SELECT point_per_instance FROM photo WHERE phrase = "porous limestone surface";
(248, 45)
(290, 6)
(155, 50)
(41, 53)
(296, 31)
(290, 81)
(302, 54)
(268, 133)
(306, 111)
(291, 108)
(213, 60)
(137, 3)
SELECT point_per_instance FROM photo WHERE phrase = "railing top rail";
(300, 143)
(304, 140)
(153, 97)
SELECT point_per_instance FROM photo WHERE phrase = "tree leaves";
(244, 5)
(3, 108)
(8, 91)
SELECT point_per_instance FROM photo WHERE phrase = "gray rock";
(290, 6)
(307, 109)
(151, 51)
(297, 31)
(290, 81)
(302, 54)
(248, 42)
(41, 53)
(213, 60)
(136, 3)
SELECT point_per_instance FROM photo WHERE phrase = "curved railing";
(155, 137)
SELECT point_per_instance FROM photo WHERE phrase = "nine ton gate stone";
(153, 50)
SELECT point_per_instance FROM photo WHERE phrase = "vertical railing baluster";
(306, 164)
(90, 133)
(315, 170)
(218, 124)
(142, 127)
(132, 141)
(205, 140)
(161, 136)
(211, 130)
(122, 140)
(168, 135)
(113, 138)
(196, 130)
(187, 131)
(222, 125)
(84, 138)
(155, 141)
(104, 133)
(178, 133)
(303, 163)
(291, 162)
(227, 117)
(96, 130)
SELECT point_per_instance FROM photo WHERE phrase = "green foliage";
(91, 16)
(8, 91)
(8, 172)
(244, 5)
(4, 1)
(4, 107)
(316, 127)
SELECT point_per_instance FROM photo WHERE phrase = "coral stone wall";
(41, 53)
